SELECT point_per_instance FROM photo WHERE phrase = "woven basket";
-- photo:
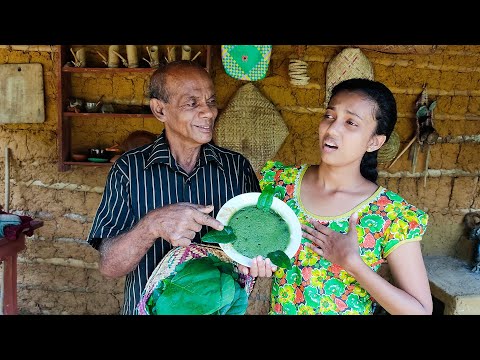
(252, 126)
(401, 49)
(350, 63)
(389, 150)
(179, 255)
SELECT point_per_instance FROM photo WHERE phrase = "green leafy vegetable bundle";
(201, 286)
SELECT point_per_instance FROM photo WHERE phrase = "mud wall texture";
(58, 271)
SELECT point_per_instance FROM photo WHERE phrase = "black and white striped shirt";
(147, 178)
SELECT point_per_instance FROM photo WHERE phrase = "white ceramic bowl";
(239, 202)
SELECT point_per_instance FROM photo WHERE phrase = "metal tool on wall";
(425, 134)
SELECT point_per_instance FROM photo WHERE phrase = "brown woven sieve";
(389, 150)
(178, 255)
(348, 64)
(252, 126)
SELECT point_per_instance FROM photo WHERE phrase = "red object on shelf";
(9, 248)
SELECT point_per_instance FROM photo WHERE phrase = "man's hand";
(178, 223)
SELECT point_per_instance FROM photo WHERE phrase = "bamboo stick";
(124, 61)
(415, 148)
(132, 56)
(426, 166)
(403, 151)
(196, 55)
(113, 59)
(186, 52)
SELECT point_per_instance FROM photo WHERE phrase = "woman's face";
(348, 129)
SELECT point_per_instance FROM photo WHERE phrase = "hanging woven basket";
(389, 150)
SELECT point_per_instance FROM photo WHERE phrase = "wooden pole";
(7, 180)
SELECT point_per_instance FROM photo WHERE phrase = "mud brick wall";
(58, 272)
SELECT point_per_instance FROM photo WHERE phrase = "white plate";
(239, 202)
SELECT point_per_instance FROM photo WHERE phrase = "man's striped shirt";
(147, 178)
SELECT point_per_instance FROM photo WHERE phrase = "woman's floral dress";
(316, 286)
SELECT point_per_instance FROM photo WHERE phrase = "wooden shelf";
(105, 70)
(87, 163)
(64, 71)
(96, 115)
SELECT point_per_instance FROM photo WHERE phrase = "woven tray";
(251, 125)
(348, 64)
(178, 255)
(402, 49)
(389, 150)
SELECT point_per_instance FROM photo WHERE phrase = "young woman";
(350, 224)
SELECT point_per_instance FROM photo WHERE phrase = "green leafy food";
(204, 292)
(227, 290)
(258, 231)
(280, 259)
(220, 236)
(156, 293)
(224, 267)
(200, 286)
(266, 198)
(238, 305)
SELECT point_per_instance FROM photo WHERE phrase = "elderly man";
(162, 195)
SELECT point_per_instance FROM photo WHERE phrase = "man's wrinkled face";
(192, 108)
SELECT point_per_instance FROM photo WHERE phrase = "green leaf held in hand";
(221, 237)
(280, 259)
(266, 198)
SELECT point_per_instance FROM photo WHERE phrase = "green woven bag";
(246, 62)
